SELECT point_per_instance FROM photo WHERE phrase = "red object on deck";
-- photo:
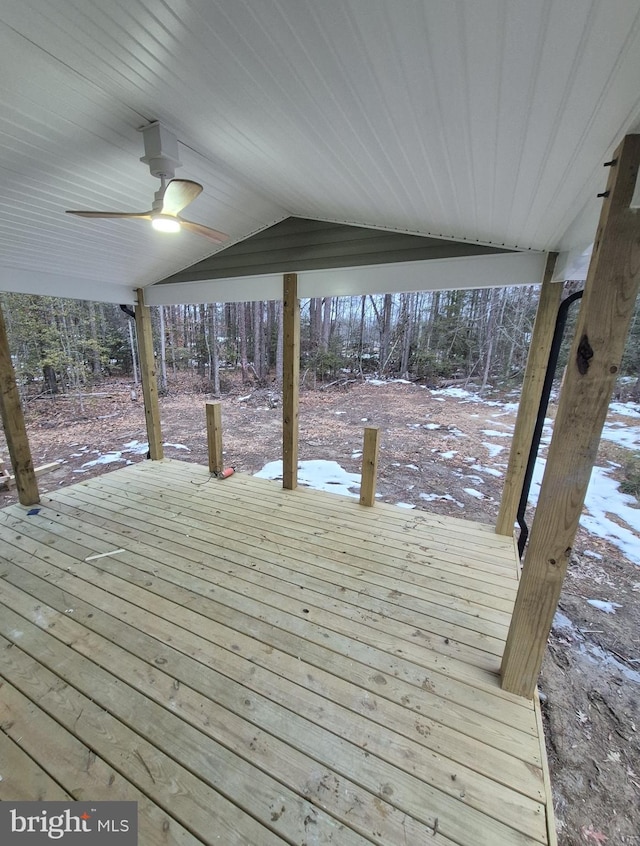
(229, 471)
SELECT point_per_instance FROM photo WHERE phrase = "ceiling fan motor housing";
(160, 150)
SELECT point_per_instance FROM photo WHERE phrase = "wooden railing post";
(607, 307)
(369, 466)
(290, 381)
(530, 396)
(14, 426)
(214, 436)
(149, 378)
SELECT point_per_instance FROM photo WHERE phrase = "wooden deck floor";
(255, 666)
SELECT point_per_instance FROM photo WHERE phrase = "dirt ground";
(432, 446)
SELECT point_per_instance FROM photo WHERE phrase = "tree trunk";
(214, 357)
(327, 302)
(173, 337)
(242, 331)
(432, 323)
(490, 338)
(49, 373)
(279, 347)
(315, 323)
(258, 340)
(134, 362)
(94, 361)
(407, 332)
(363, 301)
(385, 333)
(163, 353)
(202, 354)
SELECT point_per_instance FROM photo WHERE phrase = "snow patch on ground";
(602, 605)
(595, 654)
(450, 454)
(491, 471)
(604, 498)
(547, 432)
(317, 474)
(493, 433)
(494, 449)
(130, 448)
(404, 505)
(561, 621)
(436, 497)
(624, 436)
(601, 656)
(626, 409)
(474, 493)
(457, 393)
(591, 554)
(107, 458)
(508, 408)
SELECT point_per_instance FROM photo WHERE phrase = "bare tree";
(326, 324)
(242, 332)
(163, 352)
(214, 357)
(280, 347)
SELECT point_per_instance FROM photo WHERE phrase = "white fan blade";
(178, 194)
(139, 215)
(199, 229)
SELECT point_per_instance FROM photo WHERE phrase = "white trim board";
(487, 271)
(45, 284)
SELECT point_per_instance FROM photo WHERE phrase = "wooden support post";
(532, 384)
(290, 381)
(14, 426)
(149, 378)
(607, 307)
(369, 466)
(214, 436)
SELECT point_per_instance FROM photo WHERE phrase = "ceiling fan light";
(165, 223)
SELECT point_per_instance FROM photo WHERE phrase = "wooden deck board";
(460, 634)
(22, 778)
(301, 680)
(87, 775)
(269, 546)
(287, 630)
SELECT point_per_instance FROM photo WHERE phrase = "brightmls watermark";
(69, 823)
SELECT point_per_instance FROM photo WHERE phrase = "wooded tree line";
(59, 344)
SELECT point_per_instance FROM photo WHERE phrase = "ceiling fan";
(161, 154)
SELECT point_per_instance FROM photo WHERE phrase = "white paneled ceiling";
(479, 120)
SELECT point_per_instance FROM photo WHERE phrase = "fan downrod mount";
(160, 151)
